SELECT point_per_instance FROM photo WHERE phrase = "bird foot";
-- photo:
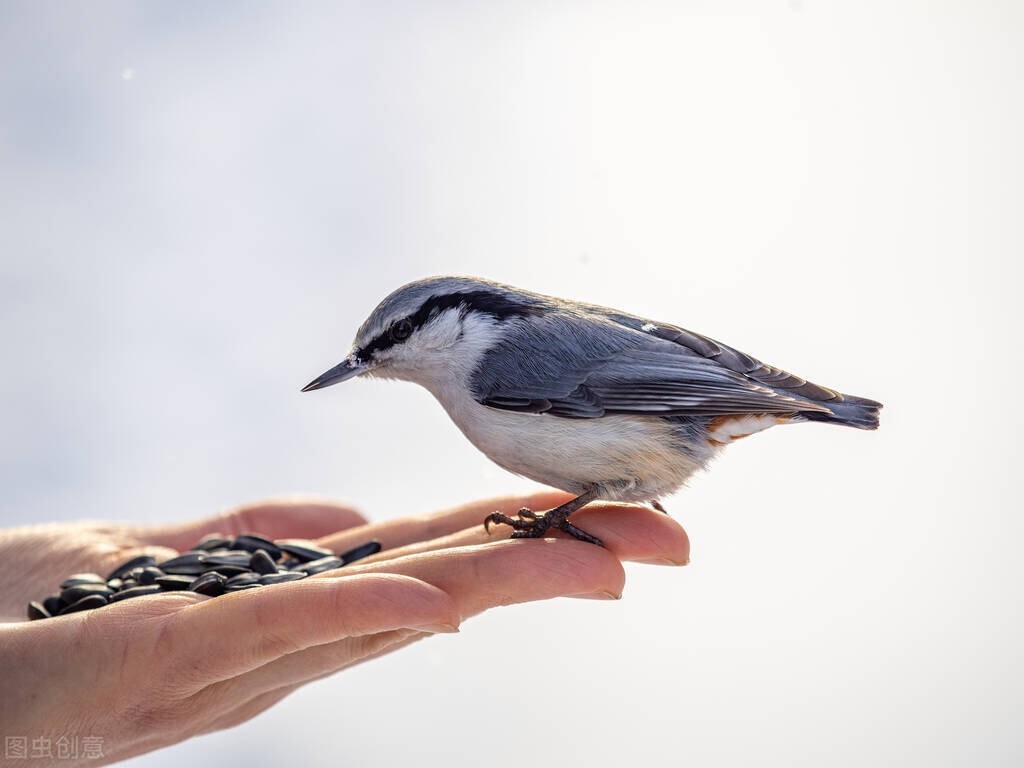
(531, 525)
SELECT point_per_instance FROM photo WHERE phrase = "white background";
(199, 203)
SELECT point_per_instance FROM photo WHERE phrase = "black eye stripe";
(490, 303)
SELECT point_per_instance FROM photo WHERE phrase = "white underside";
(740, 426)
(628, 458)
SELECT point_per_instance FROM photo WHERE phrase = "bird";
(594, 401)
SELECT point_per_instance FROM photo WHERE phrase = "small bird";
(594, 401)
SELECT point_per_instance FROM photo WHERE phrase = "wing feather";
(623, 364)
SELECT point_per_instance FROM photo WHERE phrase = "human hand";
(145, 673)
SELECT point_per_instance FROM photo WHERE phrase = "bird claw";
(655, 504)
(530, 525)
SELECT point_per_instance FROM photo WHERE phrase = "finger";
(496, 573)
(406, 530)
(274, 519)
(630, 532)
(476, 578)
(286, 618)
(246, 709)
(241, 699)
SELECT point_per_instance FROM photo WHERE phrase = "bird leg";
(532, 525)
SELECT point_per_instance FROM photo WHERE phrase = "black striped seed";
(136, 562)
(124, 594)
(77, 592)
(243, 579)
(37, 611)
(281, 578)
(328, 563)
(171, 582)
(251, 542)
(213, 542)
(227, 571)
(82, 578)
(53, 604)
(211, 584)
(261, 562)
(149, 575)
(358, 553)
(234, 557)
(86, 603)
(187, 564)
(303, 551)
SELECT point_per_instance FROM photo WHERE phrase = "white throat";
(443, 354)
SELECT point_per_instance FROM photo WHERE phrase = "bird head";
(432, 330)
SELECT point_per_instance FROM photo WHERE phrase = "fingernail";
(438, 629)
(602, 594)
(663, 561)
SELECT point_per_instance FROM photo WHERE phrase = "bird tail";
(849, 411)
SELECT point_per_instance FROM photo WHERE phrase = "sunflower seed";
(176, 581)
(37, 611)
(84, 604)
(187, 564)
(328, 563)
(261, 562)
(77, 592)
(53, 604)
(213, 542)
(136, 562)
(280, 578)
(227, 571)
(211, 584)
(303, 551)
(240, 558)
(251, 542)
(240, 587)
(149, 575)
(358, 553)
(124, 594)
(81, 578)
(243, 579)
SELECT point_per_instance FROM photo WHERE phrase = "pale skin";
(149, 672)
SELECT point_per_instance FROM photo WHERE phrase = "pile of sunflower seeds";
(213, 567)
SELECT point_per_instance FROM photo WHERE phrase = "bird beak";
(347, 369)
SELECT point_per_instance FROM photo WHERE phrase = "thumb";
(278, 519)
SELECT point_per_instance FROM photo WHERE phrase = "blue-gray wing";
(597, 362)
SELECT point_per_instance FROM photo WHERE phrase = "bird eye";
(401, 330)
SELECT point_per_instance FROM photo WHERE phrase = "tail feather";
(849, 411)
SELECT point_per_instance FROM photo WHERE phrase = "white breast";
(630, 458)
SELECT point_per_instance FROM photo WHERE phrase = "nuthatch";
(596, 402)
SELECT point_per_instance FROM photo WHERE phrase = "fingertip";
(574, 567)
(396, 601)
(636, 533)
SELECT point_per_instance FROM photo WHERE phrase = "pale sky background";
(200, 202)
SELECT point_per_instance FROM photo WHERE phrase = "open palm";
(148, 672)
